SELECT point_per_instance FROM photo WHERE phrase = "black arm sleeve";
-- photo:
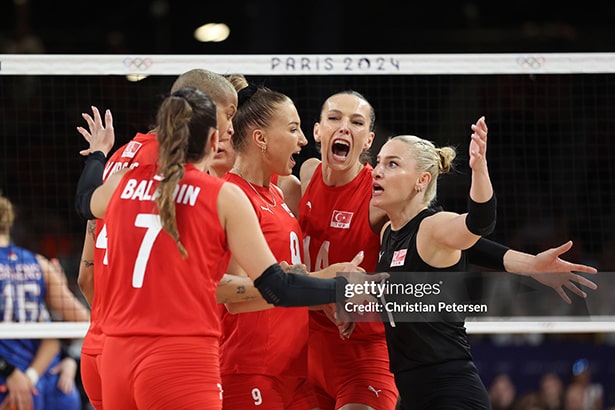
(481, 217)
(6, 369)
(90, 179)
(290, 289)
(488, 254)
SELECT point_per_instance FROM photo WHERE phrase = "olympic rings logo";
(530, 62)
(137, 64)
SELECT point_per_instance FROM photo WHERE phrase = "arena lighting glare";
(133, 78)
(212, 32)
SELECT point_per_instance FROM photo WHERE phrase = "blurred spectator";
(551, 391)
(502, 392)
(591, 394)
(529, 401)
(574, 397)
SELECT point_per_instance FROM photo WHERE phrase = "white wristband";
(32, 375)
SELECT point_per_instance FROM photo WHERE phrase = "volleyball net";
(551, 121)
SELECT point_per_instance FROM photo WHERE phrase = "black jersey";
(419, 343)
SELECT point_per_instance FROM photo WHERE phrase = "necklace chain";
(268, 204)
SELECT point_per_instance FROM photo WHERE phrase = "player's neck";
(251, 172)
(332, 176)
(400, 217)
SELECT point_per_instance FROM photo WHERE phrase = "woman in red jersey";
(264, 353)
(289, 184)
(143, 149)
(337, 220)
(171, 227)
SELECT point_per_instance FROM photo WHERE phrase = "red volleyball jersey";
(142, 149)
(271, 342)
(335, 225)
(149, 288)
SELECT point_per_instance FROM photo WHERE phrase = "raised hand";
(478, 145)
(346, 329)
(67, 368)
(100, 137)
(548, 269)
(361, 289)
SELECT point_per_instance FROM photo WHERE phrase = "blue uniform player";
(29, 284)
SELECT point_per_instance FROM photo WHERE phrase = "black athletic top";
(415, 344)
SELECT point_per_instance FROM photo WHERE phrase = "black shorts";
(454, 385)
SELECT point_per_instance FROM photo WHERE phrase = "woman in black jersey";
(431, 359)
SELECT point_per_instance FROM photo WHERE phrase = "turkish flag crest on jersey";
(399, 257)
(341, 219)
(131, 149)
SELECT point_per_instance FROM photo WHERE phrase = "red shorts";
(244, 391)
(164, 372)
(90, 378)
(350, 371)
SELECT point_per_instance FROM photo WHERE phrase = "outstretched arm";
(550, 270)
(546, 267)
(281, 289)
(236, 289)
(238, 293)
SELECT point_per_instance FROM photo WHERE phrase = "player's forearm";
(518, 262)
(235, 288)
(248, 306)
(85, 280)
(46, 352)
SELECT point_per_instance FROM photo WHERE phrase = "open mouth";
(376, 189)
(340, 149)
(293, 157)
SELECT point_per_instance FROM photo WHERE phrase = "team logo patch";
(341, 219)
(131, 149)
(399, 257)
